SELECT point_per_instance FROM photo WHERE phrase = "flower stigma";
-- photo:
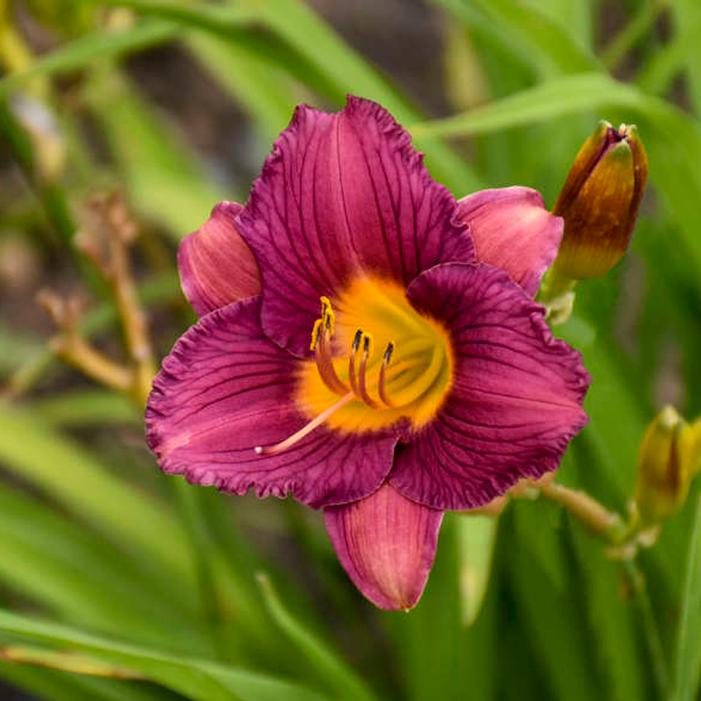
(351, 388)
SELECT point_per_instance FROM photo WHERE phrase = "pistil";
(305, 430)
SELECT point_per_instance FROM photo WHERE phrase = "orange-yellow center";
(376, 360)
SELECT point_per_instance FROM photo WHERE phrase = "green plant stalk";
(15, 56)
(653, 638)
(633, 32)
(613, 530)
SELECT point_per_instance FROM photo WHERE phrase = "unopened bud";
(664, 467)
(600, 200)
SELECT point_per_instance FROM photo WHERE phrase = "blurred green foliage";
(104, 558)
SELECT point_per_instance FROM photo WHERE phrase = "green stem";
(190, 507)
(557, 295)
(653, 638)
(612, 529)
(632, 33)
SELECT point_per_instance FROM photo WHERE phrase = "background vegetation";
(119, 583)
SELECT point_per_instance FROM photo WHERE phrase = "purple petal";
(386, 543)
(513, 231)
(216, 266)
(516, 395)
(340, 196)
(225, 389)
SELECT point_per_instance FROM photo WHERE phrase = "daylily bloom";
(368, 345)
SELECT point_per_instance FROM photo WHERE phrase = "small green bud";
(600, 200)
(664, 467)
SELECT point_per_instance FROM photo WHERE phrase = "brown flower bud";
(600, 200)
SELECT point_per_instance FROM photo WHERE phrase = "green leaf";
(261, 86)
(53, 685)
(532, 33)
(298, 27)
(166, 181)
(563, 651)
(197, 679)
(72, 571)
(610, 618)
(86, 408)
(428, 639)
(477, 536)
(217, 18)
(81, 52)
(673, 139)
(687, 21)
(295, 23)
(331, 670)
(687, 667)
(76, 479)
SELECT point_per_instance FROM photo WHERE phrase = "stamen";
(322, 332)
(324, 364)
(381, 387)
(351, 360)
(412, 391)
(362, 373)
(316, 335)
(305, 430)
(328, 315)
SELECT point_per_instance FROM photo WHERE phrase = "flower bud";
(664, 467)
(599, 201)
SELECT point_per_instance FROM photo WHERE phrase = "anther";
(362, 372)
(321, 344)
(316, 335)
(351, 361)
(382, 384)
(388, 353)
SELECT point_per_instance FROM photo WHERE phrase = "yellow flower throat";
(374, 346)
(376, 360)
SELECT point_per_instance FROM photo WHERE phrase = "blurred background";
(138, 116)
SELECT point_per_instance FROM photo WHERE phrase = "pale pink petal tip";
(387, 544)
(216, 266)
(512, 230)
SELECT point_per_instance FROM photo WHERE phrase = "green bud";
(664, 467)
(600, 200)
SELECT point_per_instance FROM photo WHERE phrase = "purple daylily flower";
(368, 345)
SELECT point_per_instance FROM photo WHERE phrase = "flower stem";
(557, 295)
(593, 515)
(613, 529)
(631, 34)
(653, 639)
(106, 241)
